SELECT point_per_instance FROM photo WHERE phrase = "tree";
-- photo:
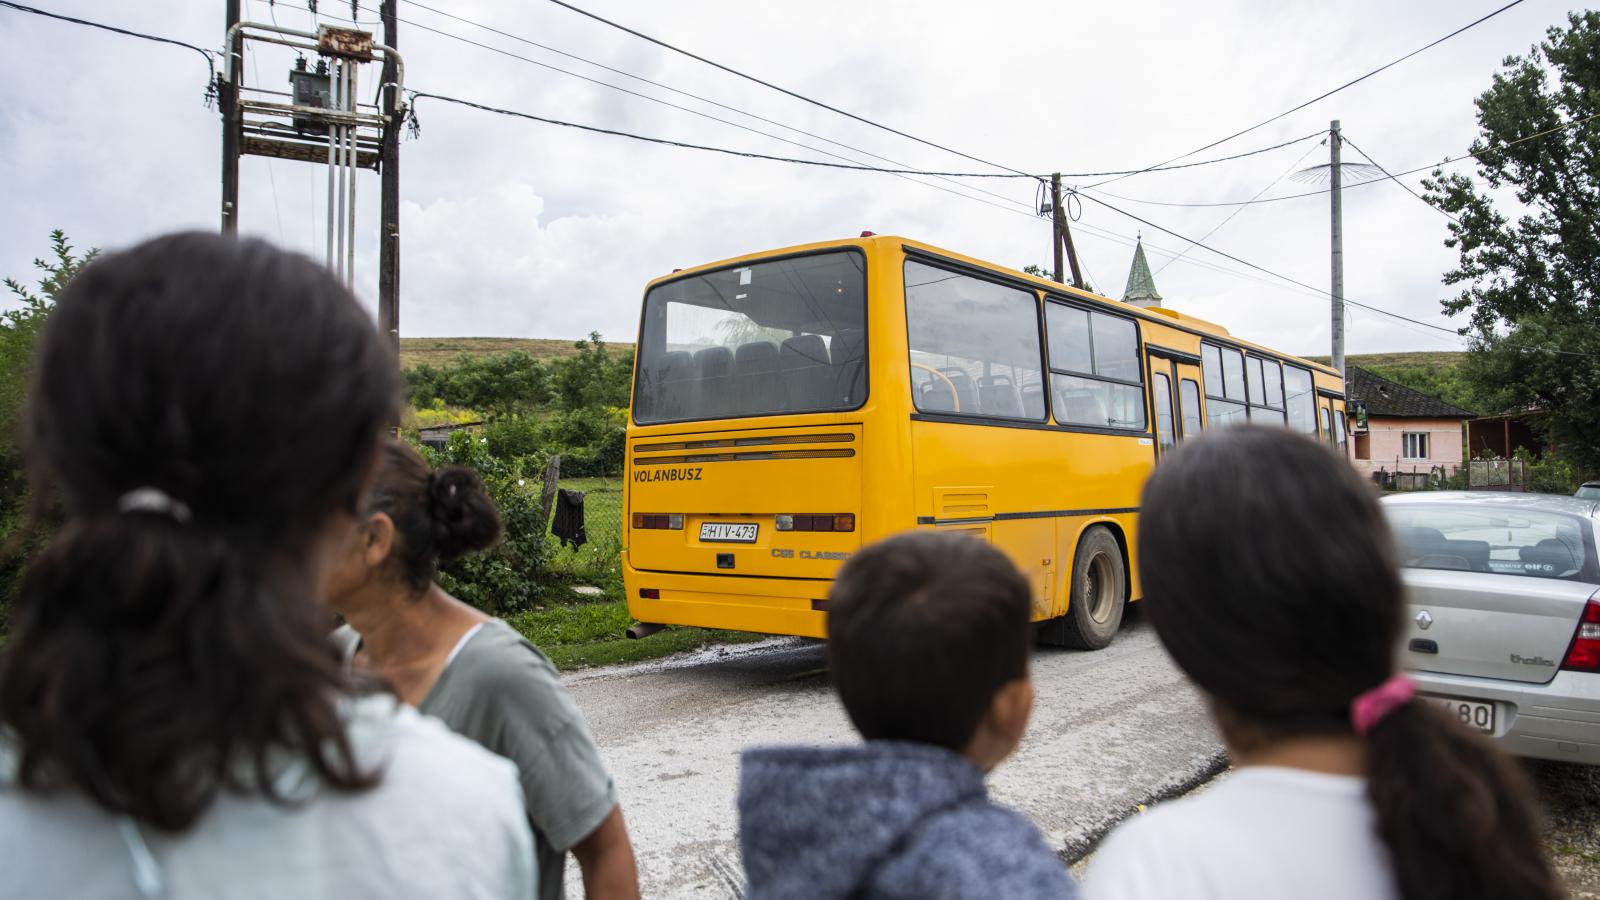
(19, 335)
(594, 378)
(499, 384)
(1529, 240)
(1042, 272)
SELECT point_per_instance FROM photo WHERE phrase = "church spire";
(1141, 289)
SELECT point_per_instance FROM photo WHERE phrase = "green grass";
(580, 635)
(439, 351)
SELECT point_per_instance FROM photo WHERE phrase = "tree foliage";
(595, 378)
(1528, 238)
(19, 335)
(514, 383)
(1449, 383)
(498, 384)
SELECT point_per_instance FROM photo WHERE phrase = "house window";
(1414, 444)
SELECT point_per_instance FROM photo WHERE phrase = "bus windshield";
(785, 336)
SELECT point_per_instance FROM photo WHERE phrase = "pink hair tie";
(1367, 710)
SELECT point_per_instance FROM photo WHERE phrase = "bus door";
(1174, 398)
(1163, 403)
(1325, 420)
(1187, 382)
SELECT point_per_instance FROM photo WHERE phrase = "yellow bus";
(793, 406)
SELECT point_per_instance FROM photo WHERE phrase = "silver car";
(1503, 624)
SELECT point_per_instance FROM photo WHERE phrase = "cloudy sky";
(513, 228)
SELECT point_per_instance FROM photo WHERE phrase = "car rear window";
(1533, 543)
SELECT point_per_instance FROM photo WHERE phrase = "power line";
(206, 54)
(848, 167)
(686, 145)
(1403, 186)
(1240, 209)
(469, 41)
(1347, 300)
(1323, 96)
(782, 90)
(1447, 161)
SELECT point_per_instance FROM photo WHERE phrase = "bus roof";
(1159, 315)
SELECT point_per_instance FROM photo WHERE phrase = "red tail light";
(815, 522)
(1584, 655)
(664, 521)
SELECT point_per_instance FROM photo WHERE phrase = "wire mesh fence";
(597, 561)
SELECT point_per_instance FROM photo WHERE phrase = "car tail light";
(815, 522)
(663, 521)
(649, 593)
(1584, 655)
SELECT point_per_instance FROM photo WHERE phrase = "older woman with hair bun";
(474, 672)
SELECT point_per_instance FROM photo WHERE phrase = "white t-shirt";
(1261, 833)
(445, 821)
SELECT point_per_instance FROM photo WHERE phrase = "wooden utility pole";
(1055, 223)
(1338, 248)
(1063, 234)
(229, 107)
(389, 213)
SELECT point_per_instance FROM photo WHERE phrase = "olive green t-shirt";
(500, 691)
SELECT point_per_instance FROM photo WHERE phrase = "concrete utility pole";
(389, 213)
(1338, 248)
(228, 103)
(1063, 234)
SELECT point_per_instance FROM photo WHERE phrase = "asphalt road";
(1111, 730)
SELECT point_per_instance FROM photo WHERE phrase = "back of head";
(924, 629)
(1269, 574)
(438, 515)
(206, 410)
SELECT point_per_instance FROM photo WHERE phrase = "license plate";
(1471, 713)
(729, 532)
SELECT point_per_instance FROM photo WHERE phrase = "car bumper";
(1558, 720)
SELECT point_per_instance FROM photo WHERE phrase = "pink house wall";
(1385, 446)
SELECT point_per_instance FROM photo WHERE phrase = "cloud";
(510, 227)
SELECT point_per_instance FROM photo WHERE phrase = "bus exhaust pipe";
(642, 630)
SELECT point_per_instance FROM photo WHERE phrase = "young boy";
(928, 642)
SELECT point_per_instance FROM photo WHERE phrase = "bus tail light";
(1584, 655)
(663, 521)
(649, 593)
(815, 522)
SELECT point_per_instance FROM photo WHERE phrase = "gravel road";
(1112, 730)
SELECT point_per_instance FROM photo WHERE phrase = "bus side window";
(1189, 407)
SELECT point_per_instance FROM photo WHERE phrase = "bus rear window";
(770, 338)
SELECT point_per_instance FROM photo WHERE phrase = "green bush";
(500, 383)
(19, 334)
(507, 577)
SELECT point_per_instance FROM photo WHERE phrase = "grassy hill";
(439, 351)
(1410, 359)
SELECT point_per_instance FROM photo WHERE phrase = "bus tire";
(1099, 594)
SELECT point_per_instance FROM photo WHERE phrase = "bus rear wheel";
(1099, 593)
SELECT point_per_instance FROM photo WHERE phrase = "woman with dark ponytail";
(173, 723)
(1269, 576)
(473, 672)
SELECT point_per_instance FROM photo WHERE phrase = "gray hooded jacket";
(884, 819)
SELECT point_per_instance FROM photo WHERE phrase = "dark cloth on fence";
(568, 522)
(881, 820)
